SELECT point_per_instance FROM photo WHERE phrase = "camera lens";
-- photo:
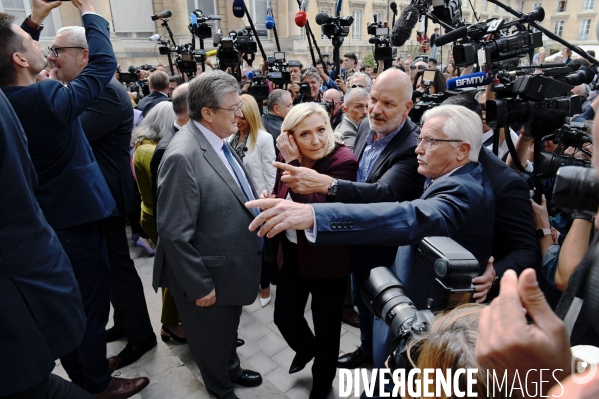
(576, 188)
(504, 112)
(583, 75)
(552, 163)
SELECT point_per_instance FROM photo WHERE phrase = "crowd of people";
(309, 189)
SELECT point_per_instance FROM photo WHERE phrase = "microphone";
(404, 26)
(451, 36)
(339, 4)
(154, 38)
(300, 16)
(238, 8)
(471, 80)
(162, 15)
(393, 6)
(194, 21)
(269, 21)
(322, 18)
(249, 75)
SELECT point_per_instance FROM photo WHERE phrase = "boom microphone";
(300, 16)
(238, 8)
(322, 18)
(154, 38)
(471, 80)
(162, 15)
(404, 26)
(452, 36)
(393, 7)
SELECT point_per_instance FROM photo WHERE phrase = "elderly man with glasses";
(457, 202)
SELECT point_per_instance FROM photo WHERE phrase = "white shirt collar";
(177, 126)
(215, 141)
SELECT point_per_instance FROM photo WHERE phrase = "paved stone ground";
(174, 374)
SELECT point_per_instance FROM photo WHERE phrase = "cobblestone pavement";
(174, 374)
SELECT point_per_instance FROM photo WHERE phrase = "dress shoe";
(113, 362)
(114, 333)
(120, 388)
(265, 301)
(354, 359)
(166, 334)
(299, 362)
(144, 246)
(249, 378)
(352, 319)
(132, 353)
(240, 342)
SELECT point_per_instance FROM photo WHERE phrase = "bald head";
(390, 101)
(395, 80)
(180, 103)
(332, 95)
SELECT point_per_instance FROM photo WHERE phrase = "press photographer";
(331, 101)
(309, 88)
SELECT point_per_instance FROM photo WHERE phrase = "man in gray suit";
(355, 109)
(206, 255)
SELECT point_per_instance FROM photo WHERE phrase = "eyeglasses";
(431, 142)
(54, 49)
(234, 110)
(419, 67)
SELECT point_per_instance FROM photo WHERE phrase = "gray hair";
(311, 73)
(156, 124)
(76, 35)
(180, 99)
(368, 78)
(460, 124)
(276, 98)
(354, 94)
(207, 90)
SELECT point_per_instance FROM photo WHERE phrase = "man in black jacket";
(279, 104)
(158, 82)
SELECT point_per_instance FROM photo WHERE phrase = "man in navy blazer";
(71, 190)
(457, 203)
(158, 82)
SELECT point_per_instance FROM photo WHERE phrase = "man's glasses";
(55, 49)
(430, 142)
(417, 67)
(235, 110)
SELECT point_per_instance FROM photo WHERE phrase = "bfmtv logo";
(584, 358)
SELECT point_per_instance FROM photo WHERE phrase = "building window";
(585, 27)
(128, 18)
(558, 28)
(379, 16)
(21, 8)
(322, 35)
(561, 6)
(589, 5)
(257, 9)
(355, 28)
(496, 8)
(485, 5)
(519, 6)
(508, 4)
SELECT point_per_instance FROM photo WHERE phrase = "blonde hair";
(251, 113)
(450, 343)
(302, 111)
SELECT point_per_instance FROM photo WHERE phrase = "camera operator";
(482, 96)
(296, 77)
(159, 85)
(327, 82)
(331, 99)
(355, 109)
(279, 104)
(350, 63)
(310, 85)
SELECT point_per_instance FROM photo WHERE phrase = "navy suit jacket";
(394, 177)
(71, 188)
(108, 124)
(461, 206)
(41, 313)
(147, 103)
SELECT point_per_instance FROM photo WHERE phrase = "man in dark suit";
(279, 104)
(458, 203)
(515, 245)
(72, 192)
(205, 256)
(107, 124)
(158, 82)
(41, 312)
(385, 148)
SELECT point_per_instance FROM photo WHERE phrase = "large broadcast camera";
(383, 51)
(385, 295)
(428, 101)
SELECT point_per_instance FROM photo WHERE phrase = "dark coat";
(319, 262)
(146, 104)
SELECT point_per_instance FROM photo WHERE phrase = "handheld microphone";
(300, 16)
(269, 21)
(471, 80)
(154, 38)
(249, 75)
(404, 26)
(322, 18)
(162, 15)
(393, 7)
(194, 21)
(238, 8)
(452, 36)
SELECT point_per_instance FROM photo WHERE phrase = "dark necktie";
(243, 183)
(427, 185)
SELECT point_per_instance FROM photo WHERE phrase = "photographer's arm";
(522, 145)
(574, 247)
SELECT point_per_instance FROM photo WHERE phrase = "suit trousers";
(86, 250)
(327, 311)
(212, 337)
(169, 316)
(127, 293)
(52, 387)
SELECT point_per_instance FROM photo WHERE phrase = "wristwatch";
(333, 189)
(32, 24)
(580, 215)
(543, 232)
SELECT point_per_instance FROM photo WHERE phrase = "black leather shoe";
(133, 353)
(240, 342)
(113, 333)
(249, 378)
(299, 362)
(354, 359)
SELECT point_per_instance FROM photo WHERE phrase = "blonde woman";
(255, 147)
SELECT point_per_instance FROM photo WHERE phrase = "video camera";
(277, 69)
(383, 51)
(133, 82)
(334, 26)
(385, 295)
(428, 101)
(238, 41)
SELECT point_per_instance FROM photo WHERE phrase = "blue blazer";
(41, 314)
(71, 188)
